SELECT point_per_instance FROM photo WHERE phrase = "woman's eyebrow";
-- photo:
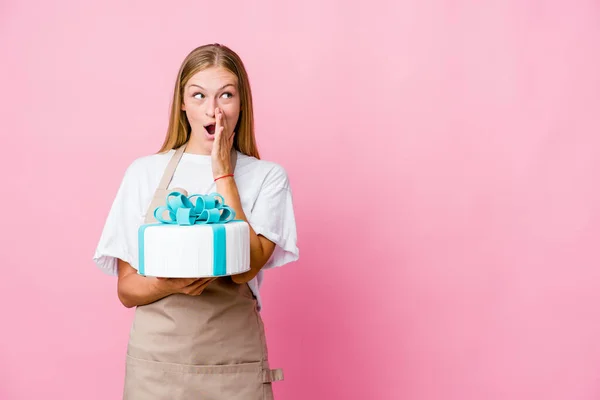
(198, 86)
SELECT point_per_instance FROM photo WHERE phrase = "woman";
(201, 338)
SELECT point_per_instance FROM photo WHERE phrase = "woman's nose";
(210, 108)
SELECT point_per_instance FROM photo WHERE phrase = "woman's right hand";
(189, 286)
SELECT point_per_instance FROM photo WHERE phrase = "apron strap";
(272, 375)
(170, 170)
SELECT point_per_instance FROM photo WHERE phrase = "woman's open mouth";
(210, 129)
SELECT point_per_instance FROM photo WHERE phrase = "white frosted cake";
(172, 250)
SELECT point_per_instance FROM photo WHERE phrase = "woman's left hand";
(221, 151)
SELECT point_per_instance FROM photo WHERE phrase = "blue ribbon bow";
(208, 209)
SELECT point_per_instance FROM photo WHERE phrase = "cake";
(198, 239)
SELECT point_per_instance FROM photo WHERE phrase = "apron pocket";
(154, 380)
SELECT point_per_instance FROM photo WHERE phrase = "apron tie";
(272, 375)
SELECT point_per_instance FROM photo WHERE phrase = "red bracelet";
(224, 176)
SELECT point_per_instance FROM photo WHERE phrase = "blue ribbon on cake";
(208, 209)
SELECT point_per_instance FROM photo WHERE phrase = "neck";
(198, 146)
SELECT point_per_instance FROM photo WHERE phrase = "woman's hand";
(190, 286)
(221, 150)
(138, 290)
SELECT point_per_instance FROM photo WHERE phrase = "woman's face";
(204, 92)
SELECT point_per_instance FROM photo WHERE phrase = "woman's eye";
(200, 96)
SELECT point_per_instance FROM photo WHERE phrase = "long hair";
(201, 58)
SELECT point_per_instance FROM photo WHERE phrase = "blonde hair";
(201, 58)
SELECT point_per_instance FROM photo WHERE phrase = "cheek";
(191, 112)
(232, 111)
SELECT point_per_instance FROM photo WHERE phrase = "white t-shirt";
(265, 195)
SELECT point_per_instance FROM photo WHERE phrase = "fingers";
(223, 124)
(224, 142)
(190, 286)
(220, 125)
(177, 283)
(198, 281)
(188, 281)
(197, 287)
(221, 121)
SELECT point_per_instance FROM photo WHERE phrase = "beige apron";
(206, 347)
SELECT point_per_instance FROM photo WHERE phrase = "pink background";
(444, 157)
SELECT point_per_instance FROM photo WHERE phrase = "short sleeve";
(119, 236)
(272, 216)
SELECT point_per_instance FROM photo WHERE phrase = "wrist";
(219, 177)
(161, 288)
(221, 170)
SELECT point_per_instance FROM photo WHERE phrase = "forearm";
(258, 254)
(138, 290)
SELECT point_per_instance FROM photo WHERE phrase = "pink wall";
(455, 255)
